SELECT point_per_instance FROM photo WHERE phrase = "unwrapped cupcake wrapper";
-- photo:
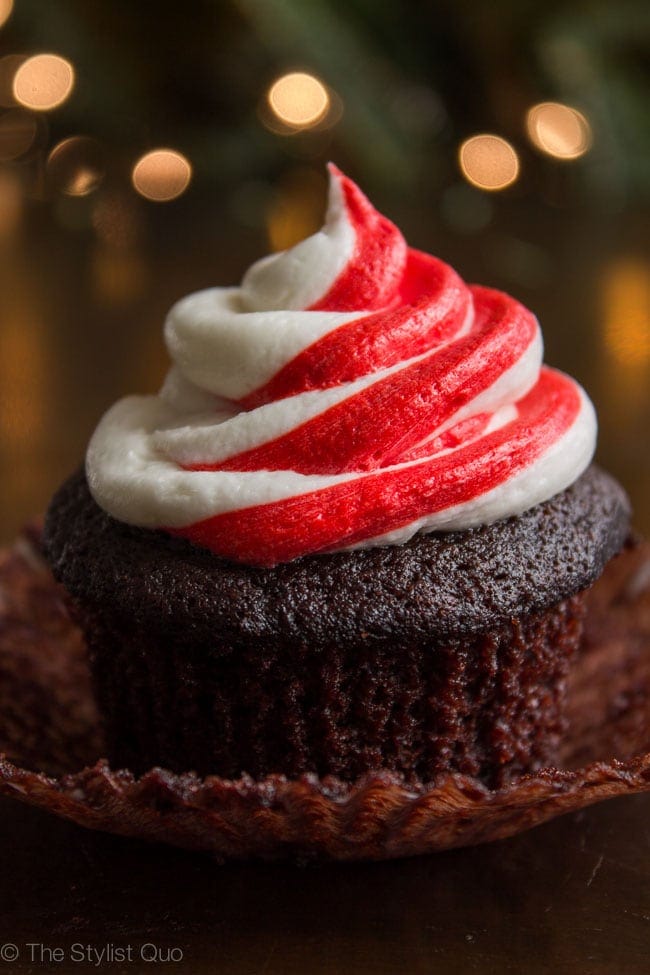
(53, 746)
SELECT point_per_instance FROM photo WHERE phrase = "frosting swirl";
(351, 392)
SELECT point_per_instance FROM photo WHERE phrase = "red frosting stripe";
(372, 274)
(382, 501)
(432, 304)
(373, 427)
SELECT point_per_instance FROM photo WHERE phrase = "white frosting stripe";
(221, 348)
(298, 278)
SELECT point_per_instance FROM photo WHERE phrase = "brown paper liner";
(51, 743)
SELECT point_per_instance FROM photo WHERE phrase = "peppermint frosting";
(351, 392)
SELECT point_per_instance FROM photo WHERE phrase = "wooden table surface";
(80, 326)
(572, 896)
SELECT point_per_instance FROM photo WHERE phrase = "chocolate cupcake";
(352, 532)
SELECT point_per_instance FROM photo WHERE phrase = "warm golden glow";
(299, 100)
(489, 162)
(11, 204)
(119, 272)
(18, 131)
(75, 166)
(24, 374)
(558, 130)
(296, 211)
(161, 175)
(118, 276)
(626, 300)
(43, 82)
(82, 183)
(6, 6)
(116, 223)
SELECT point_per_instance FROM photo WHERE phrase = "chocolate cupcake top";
(351, 393)
(435, 585)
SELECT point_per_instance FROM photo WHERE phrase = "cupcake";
(353, 531)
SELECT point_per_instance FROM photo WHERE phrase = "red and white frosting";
(351, 392)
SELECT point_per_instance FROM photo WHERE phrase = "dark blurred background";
(149, 149)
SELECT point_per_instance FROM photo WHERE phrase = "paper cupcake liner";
(51, 745)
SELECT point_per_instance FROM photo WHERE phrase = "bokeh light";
(299, 100)
(75, 166)
(6, 6)
(488, 162)
(161, 175)
(18, 131)
(43, 82)
(558, 130)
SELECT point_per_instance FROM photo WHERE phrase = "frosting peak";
(353, 264)
(351, 392)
